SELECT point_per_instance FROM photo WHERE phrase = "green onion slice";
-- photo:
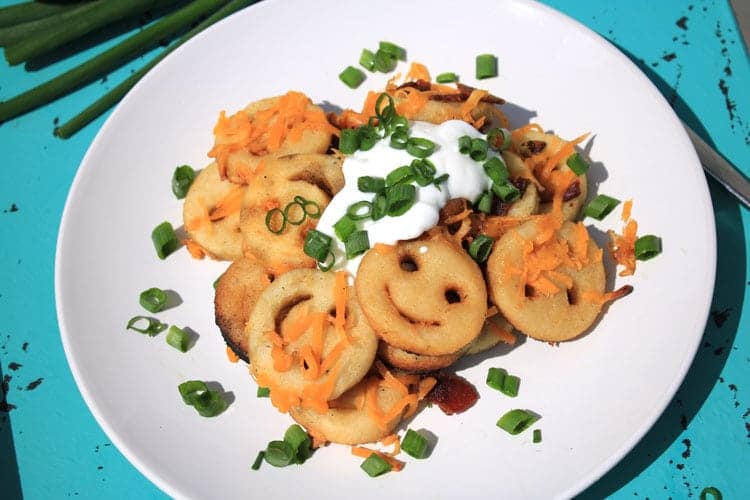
(385, 113)
(478, 151)
(506, 192)
(182, 179)
(499, 139)
(510, 385)
(484, 203)
(300, 442)
(317, 245)
(367, 60)
(344, 227)
(352, 77)
(537, 436)
(153, 300)
(400, 175)
(280, 453)
(464, 144)
(359, 210)
(357, 243)
(368, 137)
(516, 421)
(152, 328)
(439, 180)
(399, 139)
(379, 206)
(400, 198)
(414, 444)
(647, 247)
(496, 170)
(495, 378)
(424, 171)
(447, 77)
(393, 49)
(178, 338)
(263, 392)
(601, 206)
(577, 164)
(481, 248)
(384, 62)
(486, 66)
(374, 465)
(258, 460)
(367, 184)
(190, 389)
(289, 213)
(165, 240)
(420, 147)
(208, 403)
(328, 263)
(272, 218)
(349, 140)
(311, 208)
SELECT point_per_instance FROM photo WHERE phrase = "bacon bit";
(627, 207)
(231, 356)
(453, 394)
(418, 71)
(194, 249)
(573, 191)
(383, 249)
(361, 451)
(228, 205)
(419, 84)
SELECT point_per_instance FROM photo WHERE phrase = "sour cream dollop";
(466, 179)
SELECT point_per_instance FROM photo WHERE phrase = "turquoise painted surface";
(50, 445)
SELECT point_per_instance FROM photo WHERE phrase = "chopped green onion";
(496, 170)
(711, 491)
(577, 164)
(182, 179)
(400, 198)
(481, 248)
(349, 141)
(516, 421)
(258, 460)
(385, 62)
(499, 139)
(424, 171)
(486, 66)
(414, 444)
(165, 240)
(216, 281)
(300, 442)
(537, 436)
(153, 327)
(367, 60)
(327, 264)
(275, 228)
(178, 338)
(495, 378)
(439, 180)
(288, 213)
(359, 210)
(393, 49)
(311, 208)
(400, 175)
(420, 147)
(367, 184)
(484, 203)
(510, 385)
(478, 151)
(368, 137)
(356, 244)
(263, 392)
(399, 139)
(317, 245)
(344, 227)
(647, 247)
(153, 300)
(600, 207)
(464, 144)
(446, 78)
(280, 453)
(379, 206)
(506, 192)
(374, 465)
(352, 77)
(208, 403)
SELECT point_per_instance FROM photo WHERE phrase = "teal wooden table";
(50, 445)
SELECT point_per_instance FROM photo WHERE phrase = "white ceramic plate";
(597, 395)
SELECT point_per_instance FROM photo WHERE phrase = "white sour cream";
(466, 180)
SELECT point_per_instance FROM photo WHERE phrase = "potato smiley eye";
(452, 296)
(408, 264)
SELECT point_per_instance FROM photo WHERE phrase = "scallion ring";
(414, 444)
(311, 208)
(375, 465)
(344, 227)
(393, 49)
(352, 77)
(279, 453)
(478, 151)
(420, 147)
(178, 338)
(499, 139)
(384, 62)
(496, 170)
(439, 180)
(368, 184)
(367, 60)
(317, 245)
(481, 248)
(516, 421)
(600, 206)
(327, 263)
(464, 144)
(379, 206)
(506, 192)
(182, 179)
(577, 164)
(399, 139)
(400, 198)
(278, 227)
(164, 239)
(486, 66)
(357, 243)
(647, 247)
(484, 203)
(359, 210)
(349, 140)
(448, 77)
(400, 175)
(368, 137)
(153, 300)
(152, 328)
(289, 214)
